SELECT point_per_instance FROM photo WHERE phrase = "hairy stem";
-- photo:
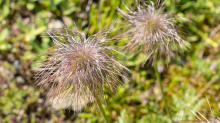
(102, 110)
(161, 88)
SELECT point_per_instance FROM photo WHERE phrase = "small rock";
(20, 80)
(6, 74)
(28, 73)
(56, 24)
(10, 57)
(68, 21)
(16, 64)
(40, 100)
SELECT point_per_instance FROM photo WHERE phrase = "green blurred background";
(187, 79)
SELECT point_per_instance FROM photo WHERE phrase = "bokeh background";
(188, 79)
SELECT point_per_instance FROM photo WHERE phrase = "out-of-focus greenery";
(186, 79)
(15, 101)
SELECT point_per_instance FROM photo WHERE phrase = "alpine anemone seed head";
(152, 31)
(79, 67)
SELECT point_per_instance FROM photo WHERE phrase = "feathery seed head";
(79, 67)
(152, 31)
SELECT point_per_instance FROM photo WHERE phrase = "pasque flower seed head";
(79, 66)
(152, 31)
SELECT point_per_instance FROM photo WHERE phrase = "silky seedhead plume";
(78, 69)
(152, 31)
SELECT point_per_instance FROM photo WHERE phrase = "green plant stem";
(173, 5)
(102, 110)
(161, 88)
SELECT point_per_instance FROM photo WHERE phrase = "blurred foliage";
(15, 101)
(186, 79)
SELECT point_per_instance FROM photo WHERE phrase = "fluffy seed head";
(152, 31)
(77, 68)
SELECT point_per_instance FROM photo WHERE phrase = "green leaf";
(86, 115)
(22, 26)
(4, 34)
(40, 30)
(56, 2)
(30, 6)
(6, 10)
(124, 117)
(69, 10)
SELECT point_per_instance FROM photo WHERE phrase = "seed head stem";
(161, 88)
(102, 109)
